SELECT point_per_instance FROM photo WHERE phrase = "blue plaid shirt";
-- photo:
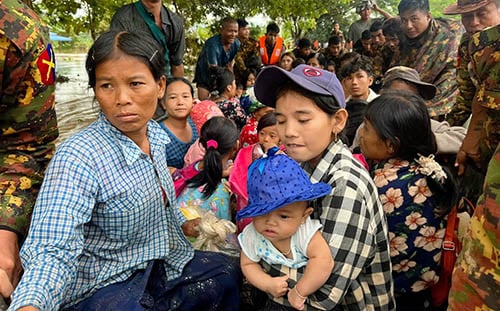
(99, 217)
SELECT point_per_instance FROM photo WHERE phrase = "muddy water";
(75, 107)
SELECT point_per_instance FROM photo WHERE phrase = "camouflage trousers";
(476, 278)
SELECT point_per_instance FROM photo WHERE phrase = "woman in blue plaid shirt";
(106, 233)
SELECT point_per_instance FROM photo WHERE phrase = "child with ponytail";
(207, 189)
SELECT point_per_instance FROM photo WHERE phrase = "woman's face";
(304, 128)
(128, 94)
(373, 147)
(286, 63)
(179, 101)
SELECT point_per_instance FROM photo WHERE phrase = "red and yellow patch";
(47, 65)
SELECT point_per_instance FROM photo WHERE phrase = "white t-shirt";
(256, 247)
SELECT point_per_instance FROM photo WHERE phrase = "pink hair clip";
(212, 144)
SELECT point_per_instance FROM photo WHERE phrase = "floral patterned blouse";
(415, 233)
(218, 202)
(249, 135)
(232, 110)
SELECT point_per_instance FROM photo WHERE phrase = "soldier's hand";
(463, 158)
(10, 262)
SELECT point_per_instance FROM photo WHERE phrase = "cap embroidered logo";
(311, 72)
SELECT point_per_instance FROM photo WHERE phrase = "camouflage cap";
(465, 6)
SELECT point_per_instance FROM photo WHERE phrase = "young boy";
(357, 77)
(282, 231)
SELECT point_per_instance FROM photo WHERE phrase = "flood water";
(75, 107)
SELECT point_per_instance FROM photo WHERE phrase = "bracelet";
(298, 294)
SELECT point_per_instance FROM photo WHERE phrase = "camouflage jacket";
(483, 133)
(476, 276)
(462, 109)
(28, 126)
(247, 57)
(383, 59)
(484, 49)
(433, 55)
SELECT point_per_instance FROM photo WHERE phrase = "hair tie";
(212, 144)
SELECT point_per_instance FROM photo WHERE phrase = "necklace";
(287, 253)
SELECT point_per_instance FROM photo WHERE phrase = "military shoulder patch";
(46, 63)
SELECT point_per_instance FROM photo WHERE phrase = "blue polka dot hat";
(277, 180)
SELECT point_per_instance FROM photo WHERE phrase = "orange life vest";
(277, 50)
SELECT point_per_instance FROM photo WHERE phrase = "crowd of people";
(303, 179)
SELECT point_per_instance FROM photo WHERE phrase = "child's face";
(250, 80)
(280, 224)
(268, 137)
(179, 101)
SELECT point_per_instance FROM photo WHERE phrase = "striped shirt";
(355, 227)
(99, 217)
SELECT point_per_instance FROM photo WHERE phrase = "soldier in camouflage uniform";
(477, 274)
(476, 278)
(476, 16)
(483, 133)
(248, 56)
(431, 49)
(28, 126)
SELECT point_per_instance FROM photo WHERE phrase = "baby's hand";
(6, 287)
(278, 286)
(294, 299)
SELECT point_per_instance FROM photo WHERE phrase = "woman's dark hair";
(224, 132)
(219, 79)
(269, 119)
(113, 44)
(180, 79)
(402, 118)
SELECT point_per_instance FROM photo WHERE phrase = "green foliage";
(84, 19)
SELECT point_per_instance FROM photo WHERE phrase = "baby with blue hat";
(281, 231)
